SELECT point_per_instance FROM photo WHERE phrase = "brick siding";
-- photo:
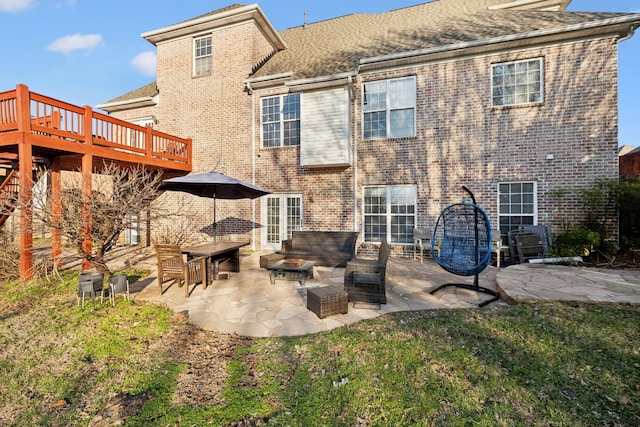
(460, 138)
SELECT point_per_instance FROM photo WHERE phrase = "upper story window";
(389, 108)
(281, 120)
(517, 83)
(202, 56)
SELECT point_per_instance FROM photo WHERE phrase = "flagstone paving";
(247, 304)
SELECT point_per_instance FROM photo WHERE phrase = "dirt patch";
(206, 355)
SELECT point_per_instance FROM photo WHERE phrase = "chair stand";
(475, 287)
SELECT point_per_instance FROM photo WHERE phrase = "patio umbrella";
(215, 185)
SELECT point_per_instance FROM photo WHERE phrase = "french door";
(282, 213)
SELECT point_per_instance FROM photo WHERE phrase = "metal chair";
(90, 284)
(421, 241)
(463, 234)
(118, 284)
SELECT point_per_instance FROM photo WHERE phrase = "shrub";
(576, 241)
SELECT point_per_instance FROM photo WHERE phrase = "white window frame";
(279, 120)
(407, 193)
(515, 208)
(387, 102)
(519, 86)
(202, 56)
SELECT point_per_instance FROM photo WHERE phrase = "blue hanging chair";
(461, 244)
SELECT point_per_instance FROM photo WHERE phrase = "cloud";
(68, 44)
(145, 63)
(16, 5)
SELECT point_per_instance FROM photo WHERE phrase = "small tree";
(117, 196)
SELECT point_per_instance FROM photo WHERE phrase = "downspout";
(253, 161)
(352, 93)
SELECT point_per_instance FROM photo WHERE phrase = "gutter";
(146, 101)
(321, 82)
(630, 34)
(355, 155)
(373, 61)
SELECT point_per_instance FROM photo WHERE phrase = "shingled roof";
(147, 91)
(336, 45)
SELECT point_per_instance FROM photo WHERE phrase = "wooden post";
(148, 140)
(87, 169)
(56, 212)
(25, 170)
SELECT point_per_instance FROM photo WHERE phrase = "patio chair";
(364, 279)
(118, 284)
(463, 234)
(172, 266)
(90, 284)
(421, 241)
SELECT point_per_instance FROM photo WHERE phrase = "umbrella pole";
(215, 224)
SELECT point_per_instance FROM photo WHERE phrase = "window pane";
(402, 123)
(402, 93)
(292, 133)
(375, 96)
(517, 83)
(375, 125)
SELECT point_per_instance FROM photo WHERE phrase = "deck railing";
(70, 123)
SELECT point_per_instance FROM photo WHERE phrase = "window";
(389, 108)
(390, 213)
(517, 205)
(202, 55)
(281, 120)
(517, 83)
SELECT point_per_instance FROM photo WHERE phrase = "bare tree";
(117, 198)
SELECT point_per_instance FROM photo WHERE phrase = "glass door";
(282, 213)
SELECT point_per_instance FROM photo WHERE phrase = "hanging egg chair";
(461, 244)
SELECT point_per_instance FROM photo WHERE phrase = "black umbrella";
(214, 185)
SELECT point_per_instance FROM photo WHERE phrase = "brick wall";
(460, 140)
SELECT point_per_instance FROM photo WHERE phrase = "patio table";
(217, 254)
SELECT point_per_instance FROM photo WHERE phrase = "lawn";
(528, 365)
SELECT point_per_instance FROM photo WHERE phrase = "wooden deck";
(55, 128)
(36, 130)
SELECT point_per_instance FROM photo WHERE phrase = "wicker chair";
(364, 279)
(172, 266)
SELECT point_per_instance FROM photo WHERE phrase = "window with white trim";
(202, 56)
(390, 213)
(281, 120)
(517, 83)
(517, 205)
(389, 108)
